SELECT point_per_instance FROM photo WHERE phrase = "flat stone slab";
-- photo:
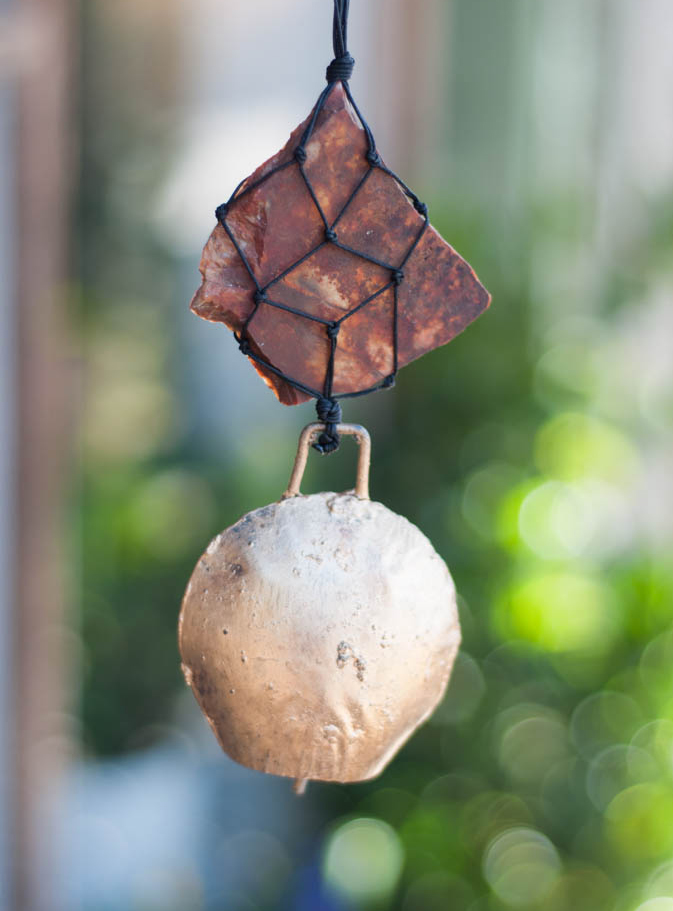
(277, 222)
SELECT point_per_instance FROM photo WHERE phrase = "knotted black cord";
(327, 405)
(342, 65)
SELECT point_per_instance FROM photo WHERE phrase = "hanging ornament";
(318, 632)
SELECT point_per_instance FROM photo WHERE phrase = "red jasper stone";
(277, 223)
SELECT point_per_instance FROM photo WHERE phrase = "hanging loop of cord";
(341, 68)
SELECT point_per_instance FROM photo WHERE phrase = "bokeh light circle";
(559, 611)
(363, 860)
(656, 904)
(615, 769)
(638, 822)
(530, 746)
(604, 719)
(559, 520)
(521, 865)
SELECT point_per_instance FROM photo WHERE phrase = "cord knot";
(329, 413)
(329, 410)
(373, 157)
(221, 211)
(300, 154)
(259, 296)
(333, 330)
(389, 381)
(340, 69)
(330, 234)
(397, 276)
(243, 345)
(421, 208)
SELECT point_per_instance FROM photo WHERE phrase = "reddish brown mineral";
(278, 222)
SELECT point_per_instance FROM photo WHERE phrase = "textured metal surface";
(277, 223)
(316, 634)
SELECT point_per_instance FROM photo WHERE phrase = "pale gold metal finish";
(364, 458)
(318, 632)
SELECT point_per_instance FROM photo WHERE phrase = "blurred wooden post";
(44, 127)
(410, 86)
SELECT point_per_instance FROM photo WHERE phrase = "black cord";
(340, 28)
(341, 68)
(327, 404)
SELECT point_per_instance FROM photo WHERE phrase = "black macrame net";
(327, 406)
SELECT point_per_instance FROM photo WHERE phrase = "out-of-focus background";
(536, 451)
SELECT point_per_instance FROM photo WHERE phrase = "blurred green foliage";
(545, 779)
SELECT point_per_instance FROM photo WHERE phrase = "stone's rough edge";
(203, 305)
(286, 393)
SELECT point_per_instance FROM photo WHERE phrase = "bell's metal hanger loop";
(364, 457)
